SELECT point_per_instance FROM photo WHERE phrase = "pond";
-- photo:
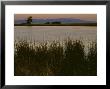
(86, 34)
(51, 33)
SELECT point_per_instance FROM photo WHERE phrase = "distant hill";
(62, 20)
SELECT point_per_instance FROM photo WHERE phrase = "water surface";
(59, 33)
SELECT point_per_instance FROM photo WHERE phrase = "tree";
(47, 23)
(29, 20)
(56, 22)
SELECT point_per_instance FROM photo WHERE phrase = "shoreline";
(75, 24)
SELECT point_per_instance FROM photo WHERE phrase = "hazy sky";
(91, 17)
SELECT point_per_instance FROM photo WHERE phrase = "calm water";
(60, 33)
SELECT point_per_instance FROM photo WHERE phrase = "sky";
(89, 17)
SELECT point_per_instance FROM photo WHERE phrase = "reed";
(55, 59)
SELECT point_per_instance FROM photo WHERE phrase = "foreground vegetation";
(55, 59)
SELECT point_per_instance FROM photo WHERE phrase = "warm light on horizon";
(89, 17)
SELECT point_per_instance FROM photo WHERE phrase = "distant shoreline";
(73, 24)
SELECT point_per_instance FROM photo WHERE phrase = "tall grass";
(55, 59)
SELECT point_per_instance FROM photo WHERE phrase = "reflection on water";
(50, 33)
(59, 33)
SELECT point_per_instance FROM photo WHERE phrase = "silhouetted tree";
(47, 23)
(56, 22)
(29, 20)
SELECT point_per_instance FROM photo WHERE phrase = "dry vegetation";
(55, 59)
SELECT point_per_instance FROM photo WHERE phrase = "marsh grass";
(55, 59)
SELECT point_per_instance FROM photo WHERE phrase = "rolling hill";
(62, 20)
